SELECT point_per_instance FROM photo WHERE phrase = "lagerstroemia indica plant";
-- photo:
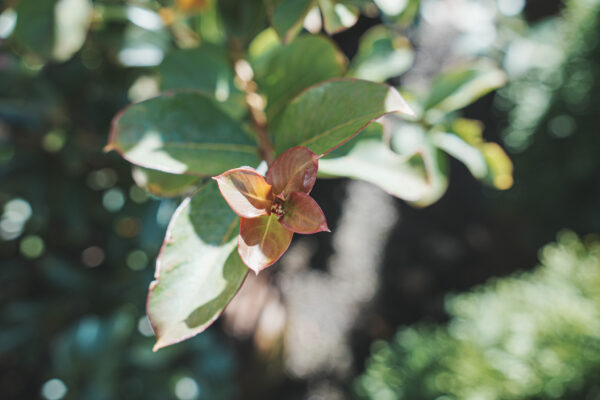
(254, 94)
(215, 236)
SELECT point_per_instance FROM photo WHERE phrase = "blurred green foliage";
(78, 238)
(552, 103)
(531, 336)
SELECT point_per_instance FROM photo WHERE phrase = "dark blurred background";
(78, 238)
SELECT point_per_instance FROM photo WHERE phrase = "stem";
(264, 143)
(244, 79)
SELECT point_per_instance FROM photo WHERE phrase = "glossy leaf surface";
(292, 68)
(246, 192)
(181, 133)
(198, 270)
(207, 69)
(295, 170)
(262, 241)
(163, 184)
(330, 113)
(303, 214)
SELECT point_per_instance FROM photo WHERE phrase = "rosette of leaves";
(273, 209)
(209, 123)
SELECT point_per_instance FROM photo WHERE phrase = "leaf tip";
(394, 102)
(158, 345)
(110, 146)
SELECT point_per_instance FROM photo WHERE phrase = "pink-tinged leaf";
(262, 241)
(295, 170)
(246, 192)
(303, 214)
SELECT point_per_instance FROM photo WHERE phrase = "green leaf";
(54, 29)
(243, 19)
(401, 12)
(500, 166)
(207, 69)
(308, 60)
(469, 155)
(287, 16)
(462, 85)
(382, 54)
(469, 130)
(330, 113)
(367, 158)
(181, 133)
(338, 16)
(261, 48)
(198, 270)
(163, 184)
(410, 138)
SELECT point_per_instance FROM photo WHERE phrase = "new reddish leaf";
(246, 192)
(262, 241)
(295, 170)
(303, 214)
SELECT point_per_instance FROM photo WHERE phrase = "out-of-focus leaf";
(198, 270)
(211, 25)
(192, 6)
(337, 15)
(243, 19)
(163, 184)
(469, 155)
(207, 69)
(330, 113)
(382, 54)
(262, 241)
(181, 133)
(408, 139)
(469, 130)
(261, 47)
(499, 167)
(367, 158)
(462, 85)
(499, 164)
(292, 68)
(287, 16)
(401, 12)
(54, 29)
(143, 47)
